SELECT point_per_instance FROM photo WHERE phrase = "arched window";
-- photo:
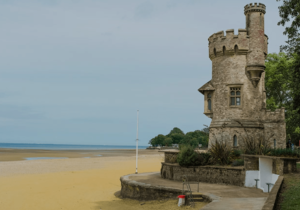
(274, 143)
(209, 102)
(234, 141)
(236, 49)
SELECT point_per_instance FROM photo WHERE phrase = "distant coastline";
(65, 146)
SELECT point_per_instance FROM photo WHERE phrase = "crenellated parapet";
(220, 45)
(255, 8)
(278, 115)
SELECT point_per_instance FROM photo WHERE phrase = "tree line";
(177, 136)
(283, 71)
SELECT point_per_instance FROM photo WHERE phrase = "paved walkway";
(224, 196)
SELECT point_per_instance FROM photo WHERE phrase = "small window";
(215, 52)
(274, 143)
(224, 50)
(235, 96)
(234, 141)
(209, 102)
(236, 49)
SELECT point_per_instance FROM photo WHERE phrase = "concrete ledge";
(208, 166)
(271, 157)
(272, 198)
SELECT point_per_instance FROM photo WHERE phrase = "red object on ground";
(181, 196)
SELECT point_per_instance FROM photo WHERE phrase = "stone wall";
(208, 174)
(171, 157)
(251, 164)
(140, 191)
(281, 165)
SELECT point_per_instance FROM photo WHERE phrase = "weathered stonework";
(281, 165)
(251, 164)
(171, 157)
(208, 174)
(141, 191)
(238, 63)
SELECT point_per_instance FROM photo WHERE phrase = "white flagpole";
(137, 142)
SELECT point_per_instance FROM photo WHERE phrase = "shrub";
(204, 159)
(253, 145)
(256, 146)
(238, 162)
(187, 156)
(220, 152)
(284, 153)
(236, 153)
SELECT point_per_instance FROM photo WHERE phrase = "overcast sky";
(76, 71)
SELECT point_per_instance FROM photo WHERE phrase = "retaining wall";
(141, 191)
(208, 174)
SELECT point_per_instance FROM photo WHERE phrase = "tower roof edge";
(255, 8)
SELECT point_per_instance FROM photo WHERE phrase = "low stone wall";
(141, 191)
(208, 174)
(273, 196)
(281, 165)
(171, 157)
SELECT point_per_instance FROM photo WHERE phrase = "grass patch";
(290, 195)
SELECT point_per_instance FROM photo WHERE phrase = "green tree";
(278, 80)
(290, 12)
(189, 140)
(168, 141)
(157, 140)
(176, 130)
(176, 138)
(160, 139)
(152, 142)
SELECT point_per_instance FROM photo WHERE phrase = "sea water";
(44, 158)
(66, 146)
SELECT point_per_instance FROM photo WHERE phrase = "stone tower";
(235, 98)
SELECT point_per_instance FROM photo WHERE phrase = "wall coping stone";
(271, 200)
(177, 151)
(270, 157)
(209, 166)
(170, 150)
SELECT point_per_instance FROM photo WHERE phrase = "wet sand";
(74, 183)
(22, 154)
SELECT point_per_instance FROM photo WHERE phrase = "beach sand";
(74, 183)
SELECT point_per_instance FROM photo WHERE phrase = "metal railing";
(189, 190)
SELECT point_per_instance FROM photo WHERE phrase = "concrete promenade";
(225, 197)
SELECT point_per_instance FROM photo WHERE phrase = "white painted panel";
(274, 178)
(266, 176)
(249, 179)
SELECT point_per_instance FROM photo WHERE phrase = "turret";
(255, 26)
